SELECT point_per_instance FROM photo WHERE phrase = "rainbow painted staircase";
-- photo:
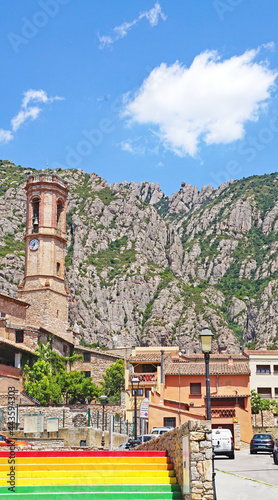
(84, 475)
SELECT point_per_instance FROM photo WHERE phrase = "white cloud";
(27, 112)
(153, 15)
(212, 100)
(5, 136)
(23, 115)
(133, 147)
(31, 112)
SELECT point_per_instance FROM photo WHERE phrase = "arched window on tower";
(60, 209)
(35, 218)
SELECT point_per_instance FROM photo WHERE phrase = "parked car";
(145, 437)
(8, 441)
(131, 443)
(160, 430)
(262, 442)
(222, 442)
(275, 452)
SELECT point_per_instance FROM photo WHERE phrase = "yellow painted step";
(91, 473)
(32, 481)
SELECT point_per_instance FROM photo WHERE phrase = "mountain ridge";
(144, 268)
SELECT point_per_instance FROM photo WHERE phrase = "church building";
(40, 313)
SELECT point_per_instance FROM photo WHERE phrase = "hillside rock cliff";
(145, 269)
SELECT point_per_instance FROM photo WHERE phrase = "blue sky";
(163, 91)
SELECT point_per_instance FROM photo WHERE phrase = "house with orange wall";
(177, 390)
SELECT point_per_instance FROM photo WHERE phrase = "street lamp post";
(103, 400)
(206, 339)
(135, 386)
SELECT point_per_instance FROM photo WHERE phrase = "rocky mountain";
(146, 269)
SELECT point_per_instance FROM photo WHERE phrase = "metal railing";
(223, 412)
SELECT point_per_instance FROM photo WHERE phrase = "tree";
(49, 382)
(259, 404)
(114, 381)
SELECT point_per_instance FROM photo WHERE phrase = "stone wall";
(69, 416)
(268, 419)
(270, 430)
(200, 456)
(98, 364)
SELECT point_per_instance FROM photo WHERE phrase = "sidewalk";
(231, 487)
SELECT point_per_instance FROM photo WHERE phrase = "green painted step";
(112, 495)
(94, 488)
(99, 492)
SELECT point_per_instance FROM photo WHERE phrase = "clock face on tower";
(34, 244)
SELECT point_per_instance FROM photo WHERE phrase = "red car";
(7, 441)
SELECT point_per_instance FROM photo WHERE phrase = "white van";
(160, 430)
(222, 442)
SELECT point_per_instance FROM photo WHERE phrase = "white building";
(264, 373)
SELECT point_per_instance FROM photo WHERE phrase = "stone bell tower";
(45, 245)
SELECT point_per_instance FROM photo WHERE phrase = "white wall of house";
(264, 373)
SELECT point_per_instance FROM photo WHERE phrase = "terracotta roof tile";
(262, 352)
(198, 356)
(18, 347)
(214, 368)
(150, 357)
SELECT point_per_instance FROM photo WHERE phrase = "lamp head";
(135, 383)
(103, 399)
(206, 338)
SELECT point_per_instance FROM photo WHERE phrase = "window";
(139, 392)
(265, 392)
(58, 268)
(36, 212)
(87, 374)
(3, 315)
(169, 422)
(60, 208)
(276, 392)
(263, 369)
(275, 367)
(65, 350)
(19, 336)
(86, 357)
(147, 392)
(195, 389)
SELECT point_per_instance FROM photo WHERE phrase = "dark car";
(262, 442)
(131, 443)
(275, 452)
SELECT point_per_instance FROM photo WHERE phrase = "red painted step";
(75, 453)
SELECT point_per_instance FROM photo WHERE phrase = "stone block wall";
(268, 419)
(270, 430)
(98, 364)
(71, 415)
(200, 456)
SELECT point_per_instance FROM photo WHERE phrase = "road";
(248, 477)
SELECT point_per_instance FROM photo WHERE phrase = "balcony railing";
(223, 412)
(144, 377)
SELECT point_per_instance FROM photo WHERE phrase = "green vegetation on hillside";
(115, 259)
(166, 277)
